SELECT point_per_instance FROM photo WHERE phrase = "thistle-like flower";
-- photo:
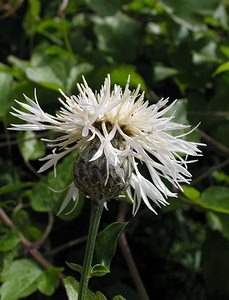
(116, 132)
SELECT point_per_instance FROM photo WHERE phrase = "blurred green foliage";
(177, 49)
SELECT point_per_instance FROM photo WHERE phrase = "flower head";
(126, 131)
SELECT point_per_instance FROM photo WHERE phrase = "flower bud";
(91, 176)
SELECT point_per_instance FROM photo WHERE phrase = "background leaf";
(19, 280)
(6, 83)
(215, 198)
(113, 31)
(48, 281)
(9, 240)
(31, 148)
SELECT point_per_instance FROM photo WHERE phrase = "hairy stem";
(96, 213)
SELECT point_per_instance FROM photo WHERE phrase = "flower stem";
(96, 213)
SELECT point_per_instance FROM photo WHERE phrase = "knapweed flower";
(117, 133)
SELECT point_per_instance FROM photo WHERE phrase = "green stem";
(96, 213)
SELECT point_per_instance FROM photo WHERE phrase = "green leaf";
(206, 54)
(99, 271)
(120, 73)
(22, 221)
(75, 74)
(104, 7)
(190, 192)
(71, 286)
(18, 63)
(225, 50)
(14, 187)
(219, 222)
(48, 281)
(9, 240)
(215, 198)
(99, 296)
(75, 267)
(30, 147)
(162, 72)
(190, 12)
(45, 76)
(222, 68)
(220, 176)
(118, 297)
(113, 32)
(6, 89)
(179, 110)
(106, 243)
(19, 280)
(51, 71)
(43, 199)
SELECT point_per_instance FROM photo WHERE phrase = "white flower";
(143, 128)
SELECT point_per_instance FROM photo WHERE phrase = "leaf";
(106, 243)
(99, 270)
(22, 221)
(48, 281)
(119, 75)
(71, 287)
(222, 68)
(31, 148)
(104, 7)
(190, 192)
(19, 280)
(190, 12)
(219, 222)
(225, 50)
(206, 55)
(220, 176)
(43, 199)
(9, 240)
(118, 297)
(75, 74)
(14, 187)
(76, 267)
(6, 98)
(179, 110)
(215, 198)
(18, 63)
(45, 76)
(99, 296)
(113, 32)
(51, 71)
(162, 72)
